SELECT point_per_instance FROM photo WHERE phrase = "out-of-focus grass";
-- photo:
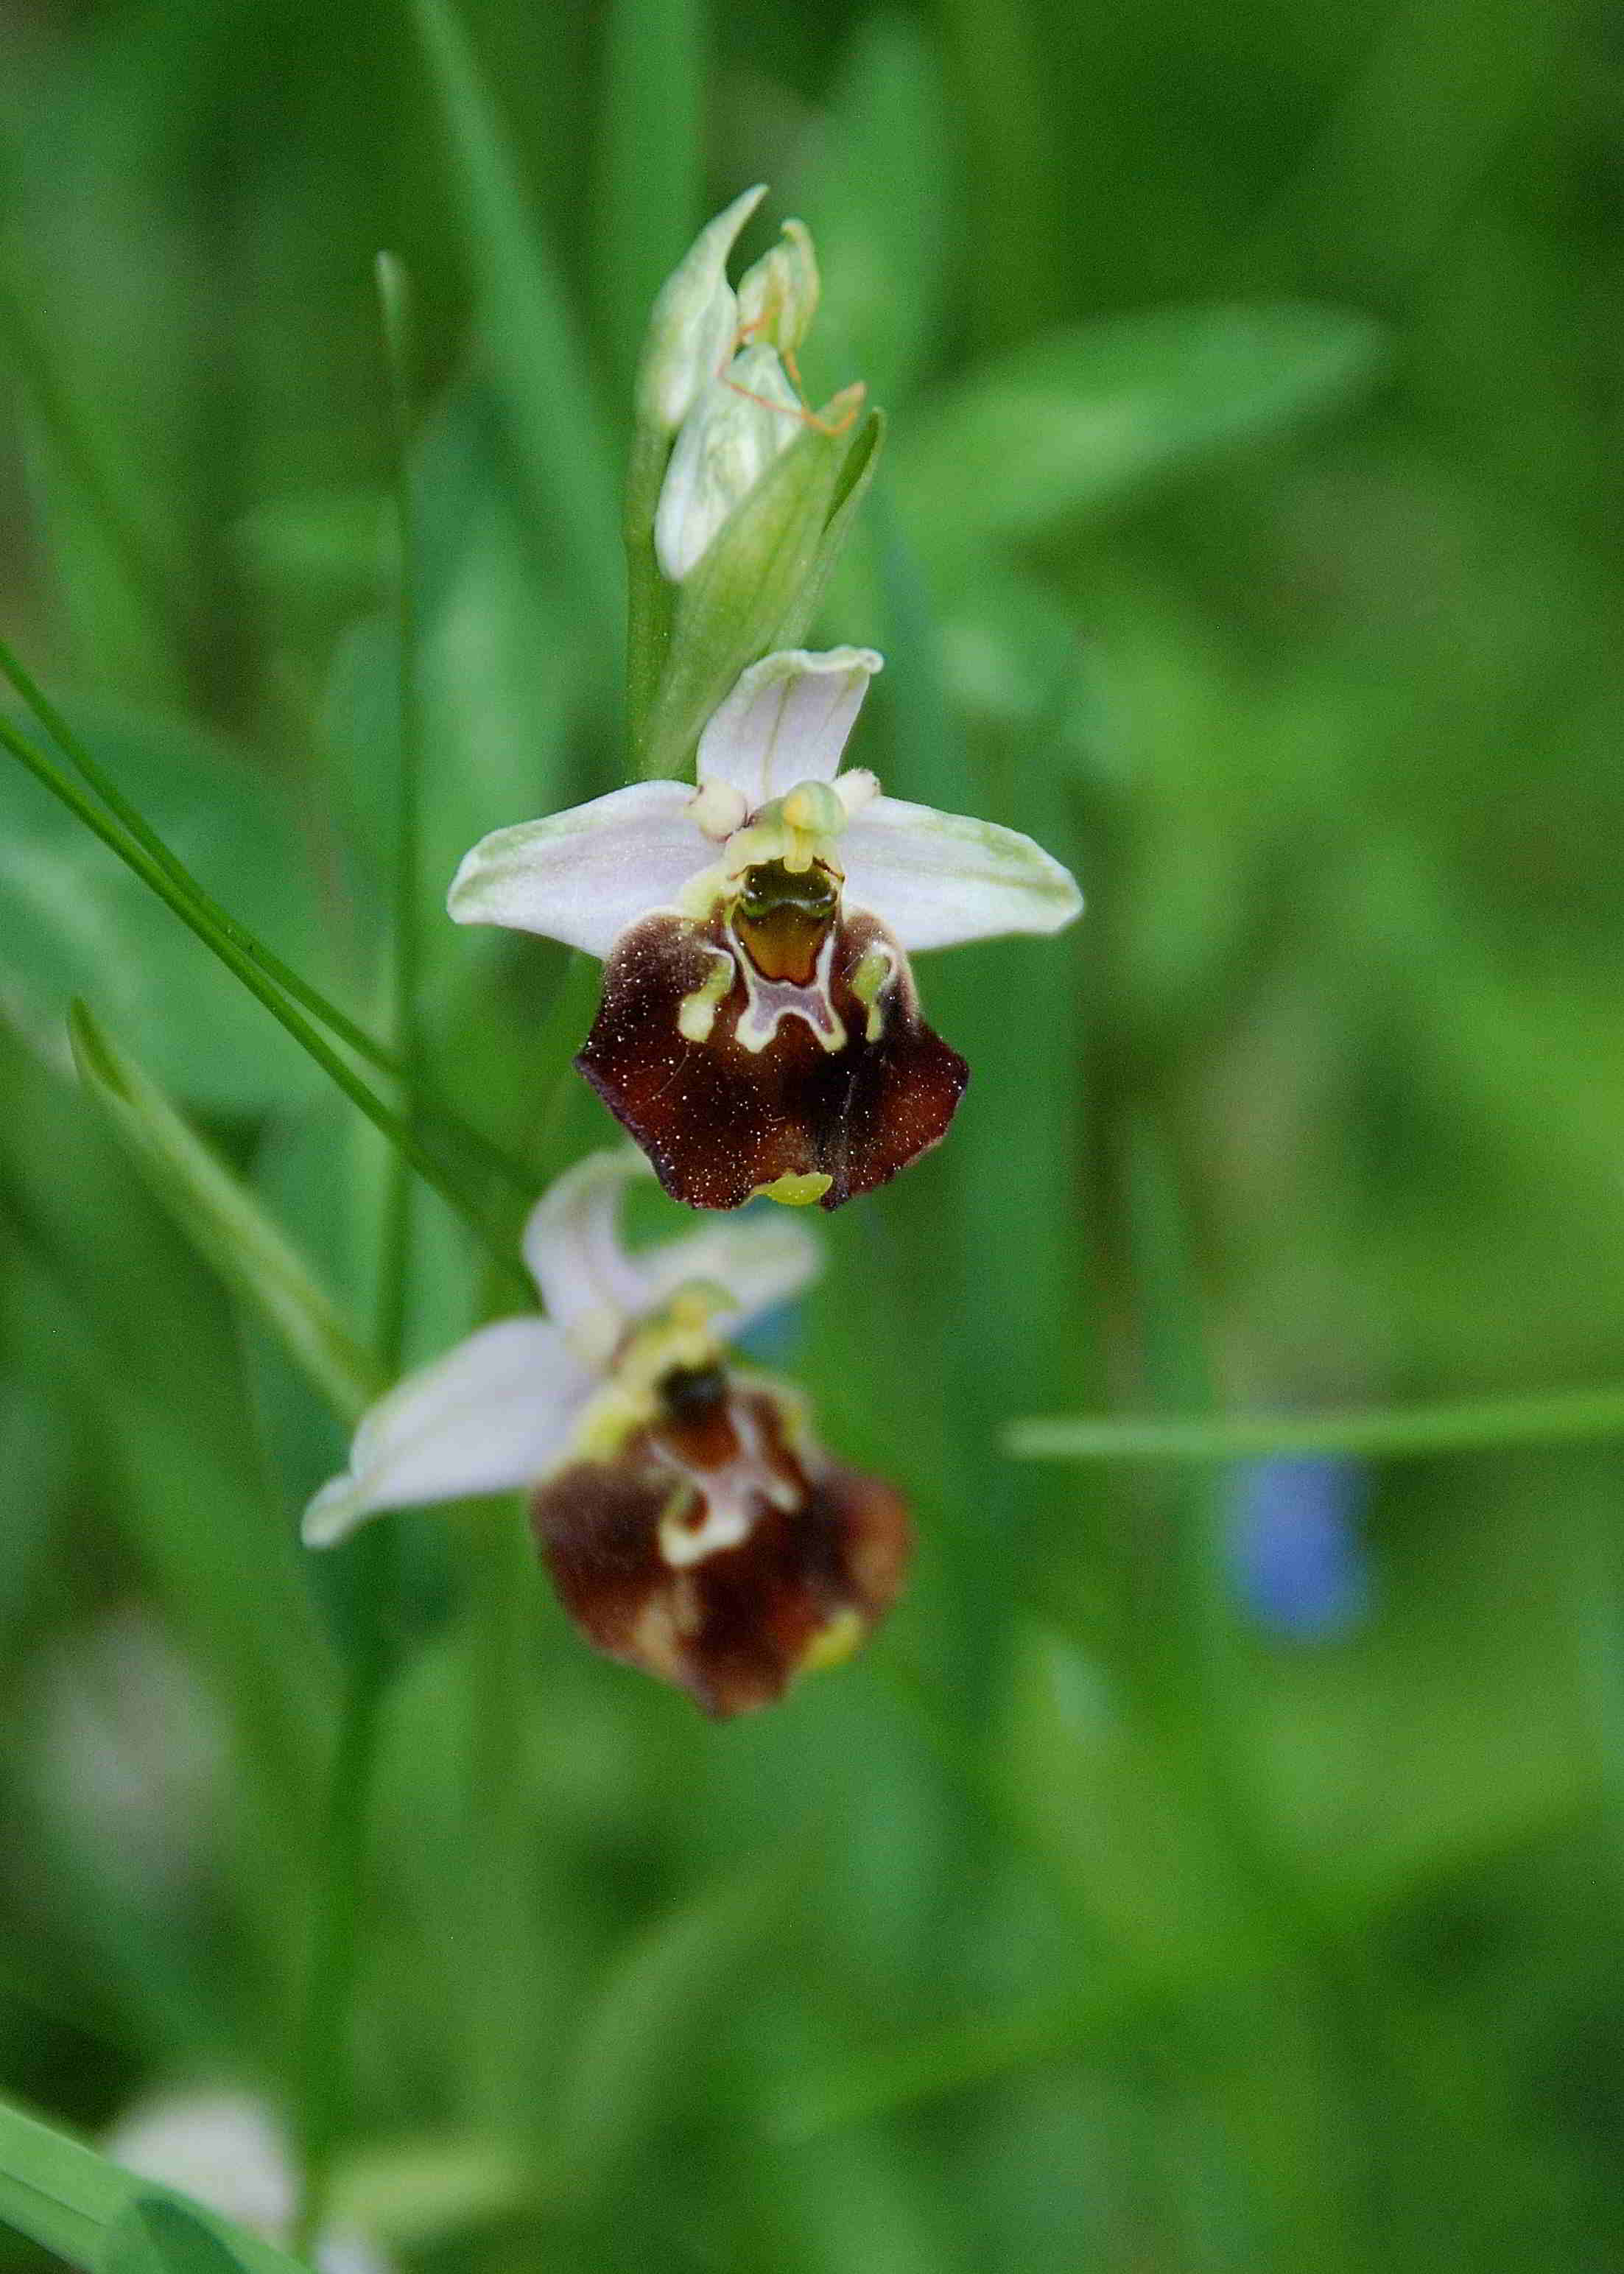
(1247, 531)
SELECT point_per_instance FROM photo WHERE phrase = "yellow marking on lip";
(872, 972)
(696, 1012)
(795, 1188)
(835, 1644)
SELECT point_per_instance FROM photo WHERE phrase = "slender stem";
(394, 300)
(337, 1931)
(649, 598)
(1472, 1425)
(324, 2067)
(248, 944)
(260, 985)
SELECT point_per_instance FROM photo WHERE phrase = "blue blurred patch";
(775, 1339)
(1296, 1553)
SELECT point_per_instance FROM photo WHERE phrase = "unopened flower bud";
(728, 440)
(779, 297)
(694, 321)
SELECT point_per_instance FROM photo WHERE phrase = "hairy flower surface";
(759, 1030)
(691, 1524)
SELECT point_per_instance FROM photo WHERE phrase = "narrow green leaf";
(69, 922)
(72, 2200)
(155, 2234)
(224, 1221)
(852, 486)
(538, 357)
(169, 876)
(1082, 417)
(1470, 1426)
(241, 961)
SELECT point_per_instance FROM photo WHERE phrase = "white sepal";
(490, 1416)
(589, 1283)
(785, 721)
(694, 322)
(759, 1266)
(937, 878)
(583, 875)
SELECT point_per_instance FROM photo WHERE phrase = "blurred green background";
(1210, 1868)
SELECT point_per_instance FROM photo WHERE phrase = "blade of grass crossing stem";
(540, 363)
(224, 1222)
(650, 167)
(52, 778)
(308, 998)
(325, 2083)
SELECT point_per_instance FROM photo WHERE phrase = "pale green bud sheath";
(748, 579)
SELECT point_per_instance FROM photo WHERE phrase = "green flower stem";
(336, 1939)
(1470, 1426)
(394, 303)
(649, 601)
(324, 2064)
(258, 984)
(308, 998)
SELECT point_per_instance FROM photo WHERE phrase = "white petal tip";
(333, 1514)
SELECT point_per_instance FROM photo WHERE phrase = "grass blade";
(540, 363)
(243, 967)
(224, 1222)
(1381, 1433)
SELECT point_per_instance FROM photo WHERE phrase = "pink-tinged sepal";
(783, 1054)
(719, 1548)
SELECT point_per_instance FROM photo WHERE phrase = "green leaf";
(1464, 1425)
(1081, 418)
(72, 920)
(539, 360)
(856, 474)
(104, 2220)
(224, 1222)
(155, 2234)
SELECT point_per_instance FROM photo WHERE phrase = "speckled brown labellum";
(844, 1085)
(720, 1550)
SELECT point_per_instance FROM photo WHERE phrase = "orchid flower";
(691, 1524)
(759, 1030)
